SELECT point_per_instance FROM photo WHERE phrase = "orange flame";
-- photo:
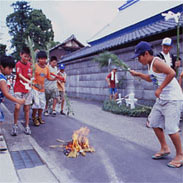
(79, 143)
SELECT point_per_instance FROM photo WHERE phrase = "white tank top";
(172, 91)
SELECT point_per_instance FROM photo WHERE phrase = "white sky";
(138, 12)
(82, 18)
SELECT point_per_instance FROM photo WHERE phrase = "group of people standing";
(164, 116)
(35, 86)
(169, 58)
(166, 112)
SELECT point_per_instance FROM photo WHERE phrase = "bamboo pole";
(30, 44)
(178, 45)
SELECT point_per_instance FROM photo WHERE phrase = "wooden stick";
(55, 146)
(59, 140)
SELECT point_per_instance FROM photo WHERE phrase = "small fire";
(78, 144)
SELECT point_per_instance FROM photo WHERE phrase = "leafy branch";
(106, 58)
(30, 44)
(48, 47)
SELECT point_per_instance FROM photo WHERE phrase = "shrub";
(139, 111)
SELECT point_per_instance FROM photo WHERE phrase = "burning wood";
(78, 144)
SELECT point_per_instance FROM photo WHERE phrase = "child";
(61, 86)
(168, 57)
(51, 90)
(41, 72)
(165, 54)
(23, 75)
(165, 114)
(7, 64)
(112, 81)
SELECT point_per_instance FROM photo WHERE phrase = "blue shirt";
(2, 77)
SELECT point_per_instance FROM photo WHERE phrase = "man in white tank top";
(165, 114)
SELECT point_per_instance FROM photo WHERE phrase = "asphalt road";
(119, 157)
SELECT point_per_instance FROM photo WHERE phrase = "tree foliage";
(17, 24)
(39, 29)
(24, 22)
(2, 49)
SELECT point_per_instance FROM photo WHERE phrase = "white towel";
(116, 77)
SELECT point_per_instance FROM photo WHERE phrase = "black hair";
(150, 53)
(7, 61)
(41, 54)
(25, 50)
(53, 58)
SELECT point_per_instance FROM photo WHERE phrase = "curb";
(48, 170)
(6, 163)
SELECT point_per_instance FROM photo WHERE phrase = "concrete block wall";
(85, 79)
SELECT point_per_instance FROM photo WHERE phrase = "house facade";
(68, 46)
(85, 79)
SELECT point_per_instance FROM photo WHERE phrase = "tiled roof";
(135, 32)
(72, 37)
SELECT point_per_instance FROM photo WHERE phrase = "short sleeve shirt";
(2, 78)
(61, 85)
(40, 75)
(51, 84)
(168, 59)
(25, 70)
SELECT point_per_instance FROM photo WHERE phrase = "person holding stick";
(51, 90)
(61, 80)
(38, 90)
(169, 58)
(169, 96)
(7, 64)
(23, 76)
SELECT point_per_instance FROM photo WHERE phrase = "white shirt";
(168, 59)
(51, 84)
(172, 91)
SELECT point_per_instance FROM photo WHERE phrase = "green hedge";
(139, 111)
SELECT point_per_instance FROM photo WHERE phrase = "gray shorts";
(26, 96)
(51, 93)
(39, 99)
(165, 114)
